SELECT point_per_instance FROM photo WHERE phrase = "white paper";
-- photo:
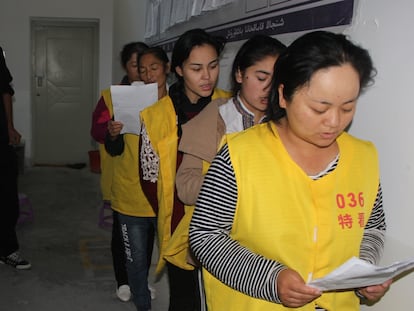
(356, 273)
(129, 100)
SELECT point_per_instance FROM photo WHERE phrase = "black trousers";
(118, 252)
(184, 289)
(9, 200)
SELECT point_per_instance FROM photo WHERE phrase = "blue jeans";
(138, 235)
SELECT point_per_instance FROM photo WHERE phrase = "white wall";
(385, 116)
(15, 39)
(129, 25)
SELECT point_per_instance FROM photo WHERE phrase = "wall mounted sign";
(269, 17)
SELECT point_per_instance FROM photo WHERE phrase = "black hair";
(312, 52)
(158, 52)
(129, 49)
(252, 51)
(187, 41)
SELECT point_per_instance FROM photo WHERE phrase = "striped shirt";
(221, 255)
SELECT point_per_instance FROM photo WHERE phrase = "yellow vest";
(311, 226)
(126, 193)
(161, 125)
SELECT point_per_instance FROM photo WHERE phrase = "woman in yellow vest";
(290, 200)
(202, 136)
(101, 116)
(251, 74)
(195, 62)
(136, 217)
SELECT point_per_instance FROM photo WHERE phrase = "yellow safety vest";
(127, 196)
(105, 158)
(161, 125)
(311, 226)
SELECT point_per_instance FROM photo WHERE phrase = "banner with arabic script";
(270, 17)
(299, 17)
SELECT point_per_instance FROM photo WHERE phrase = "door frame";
(36, 22)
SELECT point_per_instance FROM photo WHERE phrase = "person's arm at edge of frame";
(7, 92)
(14, 135)
(100, 118)
(372, 247)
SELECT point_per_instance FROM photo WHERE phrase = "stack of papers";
(356, 273)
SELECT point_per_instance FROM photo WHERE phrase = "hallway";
(69, 252)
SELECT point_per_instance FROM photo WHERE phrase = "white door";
(64, 90)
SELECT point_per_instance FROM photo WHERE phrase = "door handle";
(39, 81)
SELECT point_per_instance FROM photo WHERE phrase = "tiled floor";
(69, 252)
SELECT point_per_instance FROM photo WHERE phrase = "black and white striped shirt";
(236, 265)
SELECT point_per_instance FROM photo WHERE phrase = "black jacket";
(5, 87)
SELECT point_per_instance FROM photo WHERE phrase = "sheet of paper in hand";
(356, 273)
(129, 100)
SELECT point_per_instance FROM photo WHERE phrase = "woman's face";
(321, 110)
(131, 68)
(200, 72)
(152, 70)
(255, 84)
